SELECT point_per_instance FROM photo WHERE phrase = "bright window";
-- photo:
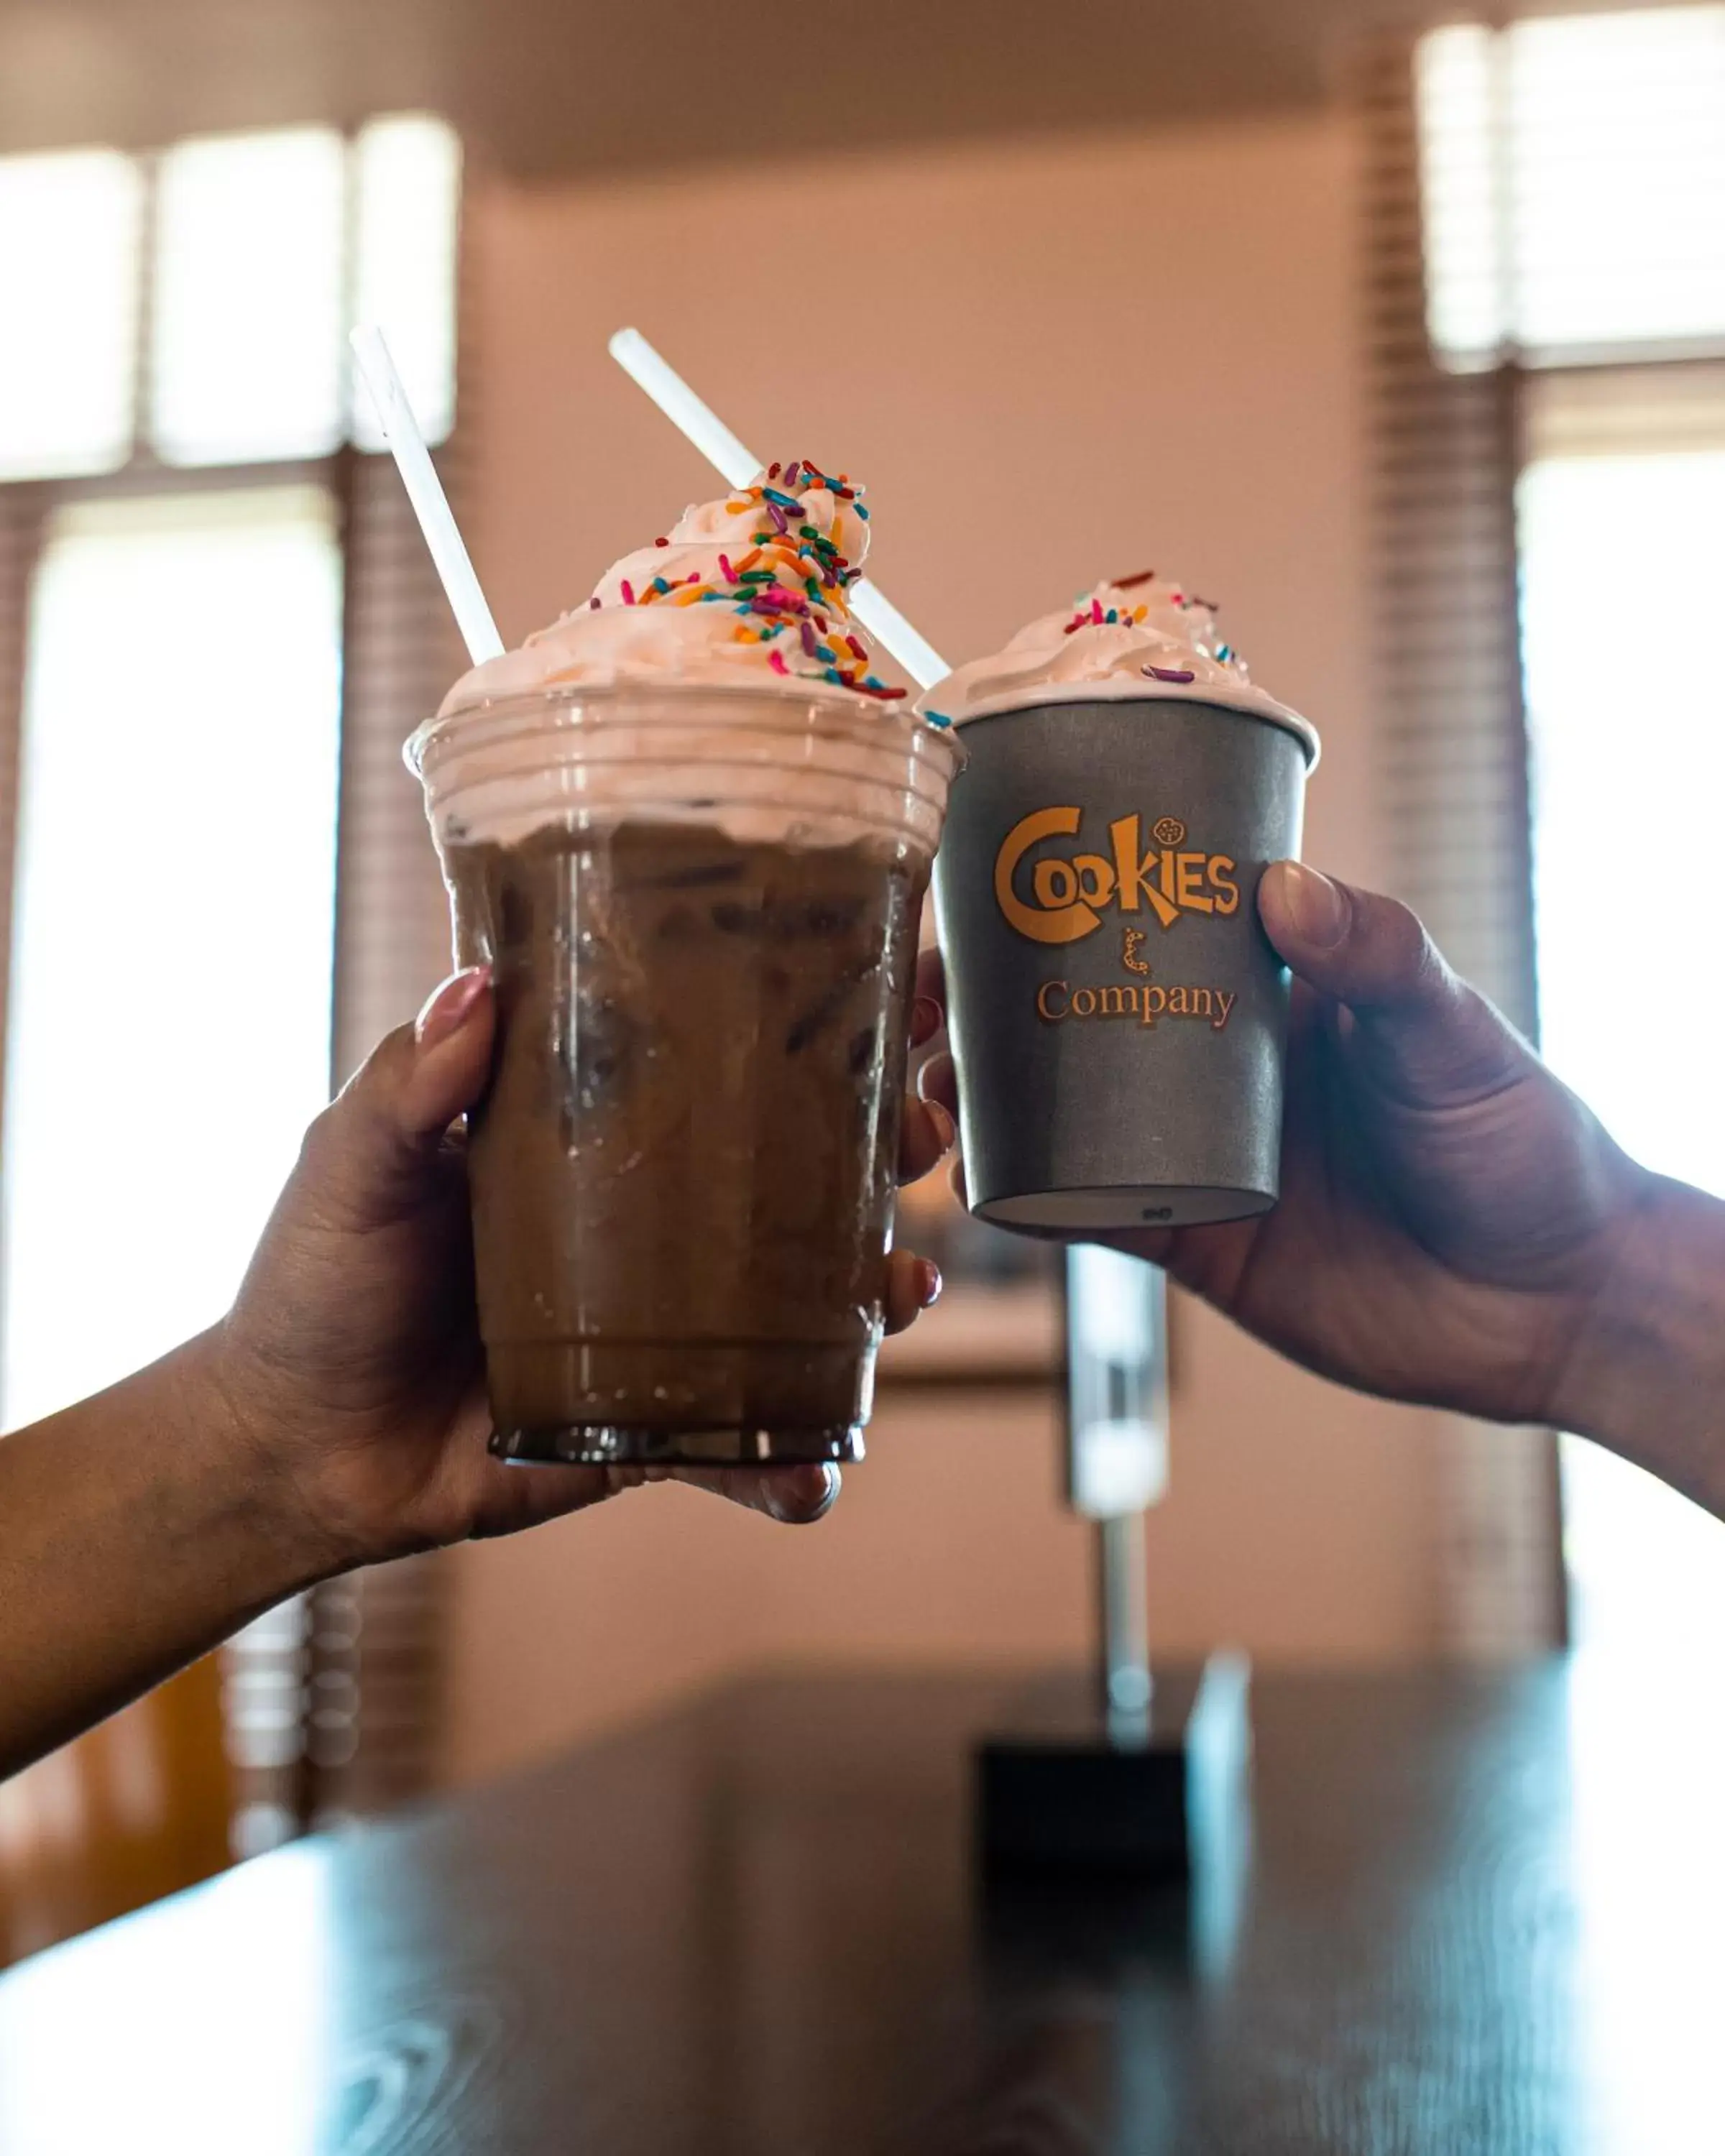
(169, 1033)
(409, 193)
(1573, 175)
(247, 360)
(68, 268)
(267, 248)
(1623, 545)
(1625, 659)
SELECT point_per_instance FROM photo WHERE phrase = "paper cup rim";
(1287, 722)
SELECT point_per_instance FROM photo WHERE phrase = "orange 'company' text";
(1058, 1001)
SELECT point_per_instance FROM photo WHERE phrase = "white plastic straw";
(431, 505)
(740, 467)
(882, 618)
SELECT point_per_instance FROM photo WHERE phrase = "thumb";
(451, 1055)
(1422, 1032)
(367, 1151)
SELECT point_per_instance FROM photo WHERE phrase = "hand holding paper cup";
(1117, 1016)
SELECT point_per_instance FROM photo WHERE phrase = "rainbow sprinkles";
(788, 584)
(762, 588)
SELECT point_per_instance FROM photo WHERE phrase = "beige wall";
(1049, 362)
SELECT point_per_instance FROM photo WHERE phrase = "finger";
(937, 1081)
(1208, 1260)
(419, 1078)
(926, 1019)
(510, 1498)
(1156, 1247)
(516, 1497)
(1422, 1032)
(452, 1052)
(913, 1284)
(367, 1157)
(926, 1138)
(932, 977)
(793, 1496)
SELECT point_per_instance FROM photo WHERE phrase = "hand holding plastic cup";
(690, 830)
(699, 905)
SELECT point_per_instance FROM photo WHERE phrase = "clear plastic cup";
(700, 906)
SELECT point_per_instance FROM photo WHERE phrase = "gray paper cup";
(1117, 1016)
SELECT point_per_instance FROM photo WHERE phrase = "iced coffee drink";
(690, 829)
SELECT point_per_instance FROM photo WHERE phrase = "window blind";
(1573, 172)
(373, 1692)
(1627, 411)
(1445, 452)
(21, 514)
(332, 1702)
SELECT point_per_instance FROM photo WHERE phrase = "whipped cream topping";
(749, 591)
(1141, 636)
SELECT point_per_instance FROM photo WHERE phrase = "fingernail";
(451, 1005)
(926, 1018)
(945, 1128)
(1319, 910)
(787, 1503)
(935, 1075)
(929, 1283)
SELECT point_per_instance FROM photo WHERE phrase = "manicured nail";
(929, 1282)
(451, 1006)
(1320, 911)
(934, 1075)
(798, 1496)
(926, 1019)
(946, 1130)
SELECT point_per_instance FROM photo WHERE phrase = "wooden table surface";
(1478, 1912)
